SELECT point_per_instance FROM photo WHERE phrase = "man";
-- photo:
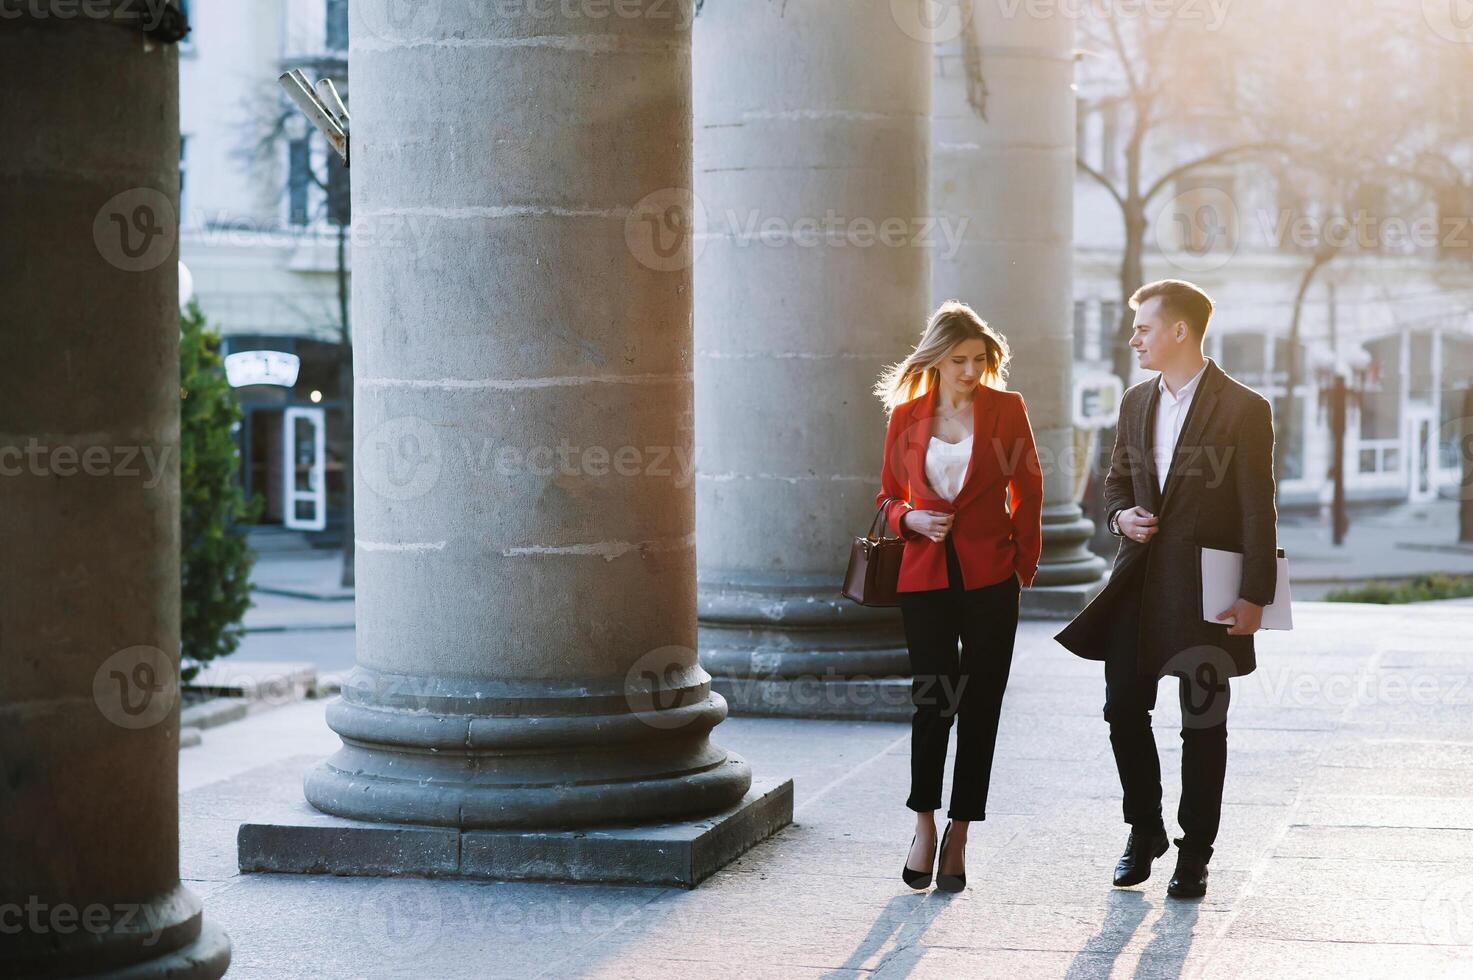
(1192, 467)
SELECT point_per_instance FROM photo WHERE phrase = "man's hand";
(1247, 618)
(932, 523)
(1138, 524)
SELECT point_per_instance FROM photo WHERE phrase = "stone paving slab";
(1346, 848)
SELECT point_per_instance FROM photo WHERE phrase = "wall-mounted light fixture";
(322, 105)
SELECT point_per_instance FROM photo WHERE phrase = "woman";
(967, 492)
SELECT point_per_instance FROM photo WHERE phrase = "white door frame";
(1418, 460)
(316, 492)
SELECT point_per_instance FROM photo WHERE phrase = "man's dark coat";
(1219, 494)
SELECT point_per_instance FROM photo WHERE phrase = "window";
(337, 25)
(298, 180)
(1303, 372)
(1368, 207)
(1109, 135)
(1454, 230)
(1081, 126)
(1290, 226)
(339, 201)
(1422, 378)
(1294, 452)
(1109, 325)
(1243, 356)
(1081, 330)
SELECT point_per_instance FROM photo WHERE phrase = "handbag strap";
(879, 522)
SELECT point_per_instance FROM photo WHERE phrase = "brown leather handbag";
(874, 564)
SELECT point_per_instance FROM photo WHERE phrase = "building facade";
(263, 204)
(1391, 311)
(263, 201)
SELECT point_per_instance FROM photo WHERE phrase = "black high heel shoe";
(916, 879)
(946, 882)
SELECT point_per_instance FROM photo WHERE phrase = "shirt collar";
(1186, 389)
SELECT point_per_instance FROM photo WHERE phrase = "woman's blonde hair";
(952, 323)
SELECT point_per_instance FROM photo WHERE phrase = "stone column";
(811, 156)
(1003, 169)
(525, 516)
(89, 509)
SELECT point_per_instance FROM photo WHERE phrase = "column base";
(500, 755)
(302, 840)
(166, 936)
(1059, 601)
(206, 958)
(796, 648)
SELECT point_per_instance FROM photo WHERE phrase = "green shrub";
(215, 560)
(1423, 588)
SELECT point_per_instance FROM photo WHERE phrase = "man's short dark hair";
(1180, 300)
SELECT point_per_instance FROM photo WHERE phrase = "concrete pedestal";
(679, 853)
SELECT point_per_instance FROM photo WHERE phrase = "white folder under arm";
(1222, 573)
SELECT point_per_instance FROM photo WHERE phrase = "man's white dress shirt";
(1171, 413)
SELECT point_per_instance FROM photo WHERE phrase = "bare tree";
(1349, 146)
(1157, 76)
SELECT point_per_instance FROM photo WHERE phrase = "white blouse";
(946, 465)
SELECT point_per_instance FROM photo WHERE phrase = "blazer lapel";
(918, 441)
(1188, 444)
(984, 430)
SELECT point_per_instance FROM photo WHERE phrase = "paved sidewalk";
(1346, 849)
(300, 612)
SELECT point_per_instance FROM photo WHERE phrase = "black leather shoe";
(1190, 878)
(1140, 851)
(946, 882)
(913, 878)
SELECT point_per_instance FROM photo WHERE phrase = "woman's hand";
(932, 523)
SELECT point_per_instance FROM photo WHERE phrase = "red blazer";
(998, 527)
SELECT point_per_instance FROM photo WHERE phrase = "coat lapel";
(1188, 444)
(1147, 428)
